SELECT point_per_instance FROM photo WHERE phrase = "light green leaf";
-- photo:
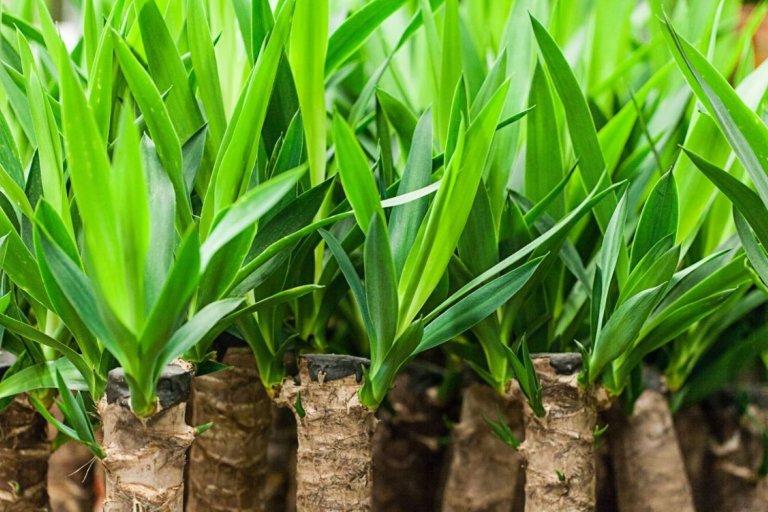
(356, 176)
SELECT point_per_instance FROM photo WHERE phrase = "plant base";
(485, 473)
(333, 470)
(228, 463)
(646, 456)
(145, 457)
(407, 452)
(560, 447)
(24, 452)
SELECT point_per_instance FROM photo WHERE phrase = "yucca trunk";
(333, 468)
(407, 452)
(559, 447)
(738, 451)
(647, 461)
(485, 473)
(145, 457)
(24, 452)
(228, 463)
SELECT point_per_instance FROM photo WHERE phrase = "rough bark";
(485, 473)
(71, 475)
(407, 453)
(737, 449)
(647, 457)
(145, 457)
(24, 452)
(333, 469)
(559, 447)
(228, 463)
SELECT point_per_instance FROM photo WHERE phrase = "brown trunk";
(407, 453)
(485, 473)
(693, 436)
(24, 452)
(228, 463)
(647, 461)
(71, 472)
(333, 470)
(145, 457)
(281, 479)
(738, 454)
(559, 447)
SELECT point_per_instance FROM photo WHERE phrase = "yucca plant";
(131, 299)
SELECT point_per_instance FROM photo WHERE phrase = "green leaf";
(657, 267)
(206, 69)
(405, 220)
(177, 291)
(450, 69)
(193, 331)
(743, 128)
(309, 45)
(237, 154)
(477, 305)
(659, 217)
(30, 333)
(755, 251)
(131, 206)
(50, 225)
(9, 154)
(356, 176)
(609, 255)
(350, 274)
(247, 211)
(747, 202)
(42, 376)
(168, 71)
(100, 84)
(431, 253)
(377, 384)
(543, 154)
(19, 264)
(478, 246)
(162, 233)
(380, 287)
(89, 170)
(159, 123)
(355, 31)
(622, 330)
(81, 295)
(295, 215)
(551, 238)
(581, 126)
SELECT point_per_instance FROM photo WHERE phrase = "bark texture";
(228, 463)
(407, 453)
(333, 470)
(737, 450)
(559, 447)
(145, 457)
(24, 452)
(648, 464)
(485, 474)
